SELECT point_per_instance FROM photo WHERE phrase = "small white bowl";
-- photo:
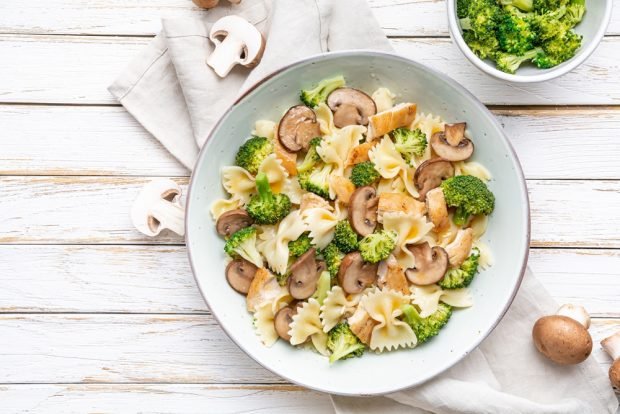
(592, 27)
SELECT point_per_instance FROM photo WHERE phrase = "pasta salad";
(354, 223)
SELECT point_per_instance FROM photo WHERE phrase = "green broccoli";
(525, 5)
(410, 143)
(549, 25)
(482, 18)
(515, 34)
(469, 195)
(322, 287)
(377, 246)
(266, 207)
(364, 173)
(509, 63)
(243, 243)
(300, 246)
(462, 8)
(343, 343)
(543, 6)
(333, 257)
(312, 156)
(426, 328)
(316, 180)
(344, 237)
(462, 277)
(483, 48)
(252, 153)
(558, 50)
(315, 96)
(574, 13)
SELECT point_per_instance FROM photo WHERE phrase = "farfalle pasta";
(328, 230)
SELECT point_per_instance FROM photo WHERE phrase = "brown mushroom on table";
(239, 274)
(297, 127)
(350, 107)
(431, 264)
(430, 174)
(363, 205)
(355, 275)
(564, 337)
(611, 345)
(451, 143)
(282, 321)
(232, 221)
(304, 276)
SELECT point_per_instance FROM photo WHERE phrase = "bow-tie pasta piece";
(307, 324)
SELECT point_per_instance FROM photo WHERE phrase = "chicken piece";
(264, 287)
(460, 248)
(343, 187)
(361, 325)
(311, 200)
(359, 154)
(399, 202)
(392, 276)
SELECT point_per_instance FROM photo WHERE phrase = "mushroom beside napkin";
(172, 92)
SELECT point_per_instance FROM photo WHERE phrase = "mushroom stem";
(611, 345)
(576, 312)
(170, 216)
(226, 55)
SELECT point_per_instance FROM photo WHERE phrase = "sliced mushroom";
(232, 221)
(297, 127)
(355, 275)
(363, 206)
(239, 274)
(451, 143)
(304, 276)
(158, 207)
(437, 209)
(237, 42)
(460, 247)
(350, 107)
(431, 264)
(282, 322)
(430, 174)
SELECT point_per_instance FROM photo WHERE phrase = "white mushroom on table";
(611, 345)
(158, 207)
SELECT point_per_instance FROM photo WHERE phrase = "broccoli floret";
(410, 143)
(364, 173)
(377, 246)
(462, 277)
(574, 13)
(483, 48)
(543, 6)
(315, 96)
(510, 63)
(267, 207)
(333, 257)
(343, 343)
(252, 153)
(549, 25)
(525, 5)
(482, 18)
(322, 287)
(558, 50)
(312, 156)
(243, 243)
(316, 180)
(344, 237)
(300, 246)
(469, 195)
(426, 328)
(515, 34)
(462, 8)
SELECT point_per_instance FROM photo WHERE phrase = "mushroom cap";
(614, 374)
(355, 275)
(297, 127)
(246, 42)
(451, 143)
(363, 206)
(232, 221)
(431, 264)
(158, 207)
(431, 173)
(239, 274)
(304, 276)
(562, 339)
(350, 107)
(282, 321)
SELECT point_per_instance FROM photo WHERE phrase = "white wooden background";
(96, 317)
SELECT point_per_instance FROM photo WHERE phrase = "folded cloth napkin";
(177, 98)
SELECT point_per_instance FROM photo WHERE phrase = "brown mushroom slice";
(282, 322)
(451, 143)
(430, 174)
(363, 206)
(355, 275)
(350, 107)
(297, 127)
(239, 274)
(304, 276)
(232, 221)
(431, 264)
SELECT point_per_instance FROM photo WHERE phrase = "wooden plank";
(78, 70)
(132, 17)
(101, 348)
(552, 143)
(157, 279)
(90, 210)
(162, 398)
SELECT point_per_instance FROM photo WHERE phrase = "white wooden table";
(96, 317)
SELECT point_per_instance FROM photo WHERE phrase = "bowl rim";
(552, 73)
(512, 154)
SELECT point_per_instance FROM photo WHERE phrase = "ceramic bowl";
(508, 230)
(592, 27)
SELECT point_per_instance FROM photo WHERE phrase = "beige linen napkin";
(177, 98)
